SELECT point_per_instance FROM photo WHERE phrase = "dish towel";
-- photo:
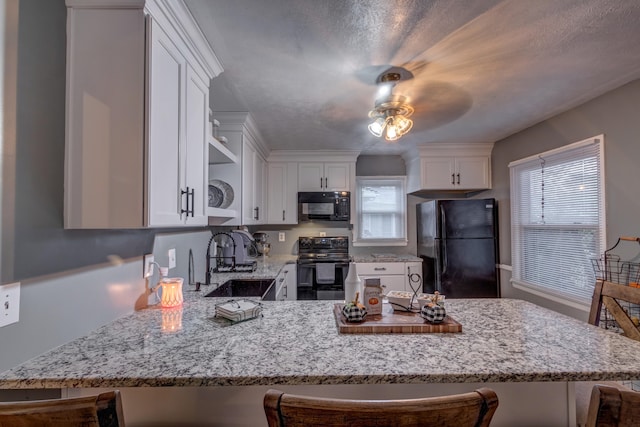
(325, 273)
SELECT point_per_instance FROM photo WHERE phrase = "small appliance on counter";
(262, 245)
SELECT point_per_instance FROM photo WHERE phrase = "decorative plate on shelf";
(220, 194)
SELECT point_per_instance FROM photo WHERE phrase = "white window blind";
(557, 219)
(381, 211)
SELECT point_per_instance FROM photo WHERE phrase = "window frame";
(518, 228)
(358, 240)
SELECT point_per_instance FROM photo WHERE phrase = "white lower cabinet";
(391, 274)
(394, 276)
(286, 283)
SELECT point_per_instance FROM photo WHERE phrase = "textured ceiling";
(482, 69)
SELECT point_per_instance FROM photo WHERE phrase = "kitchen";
(101, 291)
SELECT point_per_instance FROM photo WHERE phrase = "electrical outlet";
(281, 236)
(147, 270)
(172, 257)
(323, 234)
(9, 303)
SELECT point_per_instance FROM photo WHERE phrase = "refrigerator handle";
(443, 222)
(443, 258)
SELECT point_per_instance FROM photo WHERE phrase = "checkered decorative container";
(354, 313)
(433, 313)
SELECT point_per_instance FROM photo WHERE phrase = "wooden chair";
(609, 294)
(614, 297)
(473, 409)
(103, 410)
(612, 407)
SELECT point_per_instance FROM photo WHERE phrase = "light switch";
(172, 257)
(9, 304)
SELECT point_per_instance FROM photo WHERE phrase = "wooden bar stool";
(103, 410)
(614, 297)
(612, 407)
(473, 409)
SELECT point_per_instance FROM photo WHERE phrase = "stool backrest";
(613, 407)
(615, 298)
(473, 409)
(103, 410)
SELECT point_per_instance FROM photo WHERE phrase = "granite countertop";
(380, 257)
(297, 342)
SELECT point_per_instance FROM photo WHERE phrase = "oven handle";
(312, 264)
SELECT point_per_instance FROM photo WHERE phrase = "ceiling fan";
(391, 111)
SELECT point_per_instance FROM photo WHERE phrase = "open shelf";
(219, 153)
(222, 213)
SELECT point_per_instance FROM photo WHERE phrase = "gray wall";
(615, 115)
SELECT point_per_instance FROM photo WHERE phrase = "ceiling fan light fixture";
(377, 127)
(403, 124)
(391, 118)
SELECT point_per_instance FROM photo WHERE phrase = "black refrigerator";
(457, 241)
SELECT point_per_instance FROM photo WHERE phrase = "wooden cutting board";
(393, 322)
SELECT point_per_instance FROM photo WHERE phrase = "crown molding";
(313, 155)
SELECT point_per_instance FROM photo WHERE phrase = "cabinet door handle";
(190, 196)
(380, 269)
(283, 214)
(256, 216)
(458, 178)
(320, 182)
(193, 197)
(285, 292)
(453, 178)
(326, 182)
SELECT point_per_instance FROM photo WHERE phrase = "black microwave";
(324, 205)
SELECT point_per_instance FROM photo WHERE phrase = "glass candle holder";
(170, 292)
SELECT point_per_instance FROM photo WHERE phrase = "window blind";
(557, 219)
(381, 210)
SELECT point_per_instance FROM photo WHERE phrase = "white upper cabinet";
(324, 176)
(138, 79)
(282, 201)
(248, 179)
(449, 167)
(253, 184)
(197, 147)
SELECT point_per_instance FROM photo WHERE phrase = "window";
(557, 220)
(381, 211)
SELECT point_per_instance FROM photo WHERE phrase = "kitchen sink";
(263, 288)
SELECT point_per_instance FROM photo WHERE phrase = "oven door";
(315, 281)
